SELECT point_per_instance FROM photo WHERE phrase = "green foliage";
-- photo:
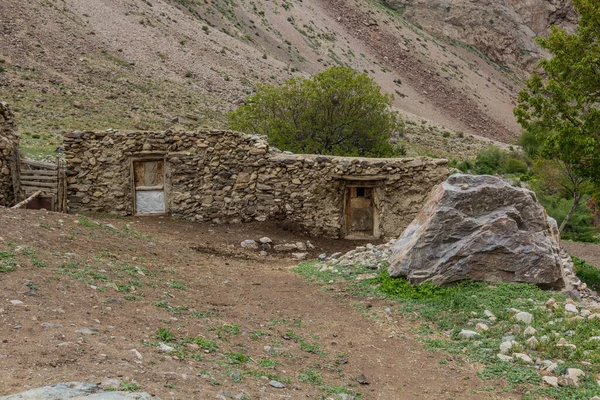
(587, 273)
(310, 375)
(338, 112)
(580, 227)
(561, 107)
(7, 261)
(129, 387)
(164, 334)
(206, 344)
(494, 160)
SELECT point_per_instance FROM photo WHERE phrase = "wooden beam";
(362, 178)
(38, 172)
(39, 184)
(27, 200)
(39, 164)
(31, 189)
(27, 177)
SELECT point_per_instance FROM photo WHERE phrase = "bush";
(338, 112)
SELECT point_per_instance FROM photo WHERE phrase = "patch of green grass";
(176, 285)
(129, 387)
(203, 314)
(311, 376)
(587, 273)
(7, 261)
(236, 358)
(165, 334)
(206, 344)
(267, 363)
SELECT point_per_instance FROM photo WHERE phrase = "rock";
(322, 256)
(550, 380)
(565, 381)
(50, 325)
(285, 247)
(532, 342)
(87, 331)
(362, 379)
(574, 374)
(481, 327)
(530, 330)
(137, 354)
(300, 256)
(77, 391)
(504, 358)
(249, 244)
(506, 347)
(492, 232)
(277, 385)
(571, 308)
(166, 348)
(467, 334)
(523, 357)
(524, 317)
(265, 240)
(16, 302)
(550, 303)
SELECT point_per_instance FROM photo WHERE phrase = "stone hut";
(9, 156)
(230, 177)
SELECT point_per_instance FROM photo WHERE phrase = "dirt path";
(196, 281)
(587, 251)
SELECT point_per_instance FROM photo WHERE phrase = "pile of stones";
(368, 256)
(298, 250)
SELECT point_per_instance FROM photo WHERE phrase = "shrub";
(338, 112)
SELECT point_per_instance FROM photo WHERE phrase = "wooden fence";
(49, 178)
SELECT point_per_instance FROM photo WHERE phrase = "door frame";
(346, 212)
(148, 158)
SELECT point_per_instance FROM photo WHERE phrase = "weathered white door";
(149, 186)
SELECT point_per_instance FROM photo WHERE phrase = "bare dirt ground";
(587, 251)
(222, 303)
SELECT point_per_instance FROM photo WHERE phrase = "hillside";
(166, 64)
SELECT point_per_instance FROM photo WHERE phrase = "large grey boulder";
(479, 228)
(76, 391)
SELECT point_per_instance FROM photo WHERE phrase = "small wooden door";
(149, 187)
(360, 213)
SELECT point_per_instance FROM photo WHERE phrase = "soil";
(589, 252)
(240, 299)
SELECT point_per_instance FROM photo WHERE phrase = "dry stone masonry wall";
(229, 177)
(9, 144)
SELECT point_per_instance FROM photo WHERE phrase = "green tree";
(560, 104)
(336, 112)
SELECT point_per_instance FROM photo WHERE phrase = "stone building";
(9, 147)
(230, 177)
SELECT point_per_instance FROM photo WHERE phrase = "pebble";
(50, 325)
(504, 357)
(532, 342)
(550, 380)
(165, 347)
(265, 240)
(249, 244)
(523, 357)
(87, 331)
(481, 327)
(571, 308)
(529, 331)
(524, 317)
(16, 302)
(277, 385)
(467, 334)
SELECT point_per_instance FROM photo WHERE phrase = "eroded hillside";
(130, 64)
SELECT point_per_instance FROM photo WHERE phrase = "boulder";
(479, 228)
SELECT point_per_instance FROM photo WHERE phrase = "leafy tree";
(560, 104)
(337, 112)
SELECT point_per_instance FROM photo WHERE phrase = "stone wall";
(229, 177)
(9, 145)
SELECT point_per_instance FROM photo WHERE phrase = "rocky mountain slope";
(502, 30)
(179, 64)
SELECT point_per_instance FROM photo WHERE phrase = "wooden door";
(360, 215)
(149, 187)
